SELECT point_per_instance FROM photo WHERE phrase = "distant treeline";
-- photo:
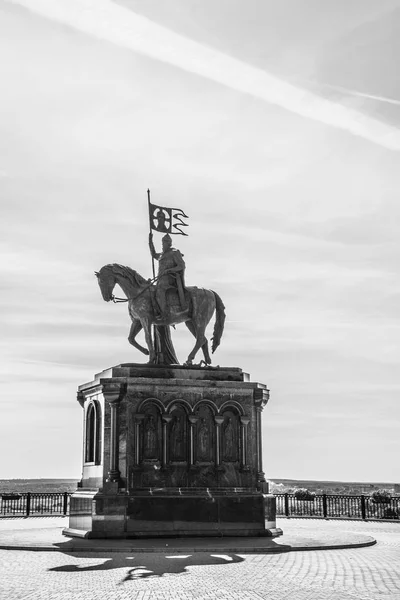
(330, 487)
(277, 485)
(8, 486)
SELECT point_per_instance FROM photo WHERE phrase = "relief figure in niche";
(203, 440)
(177, 439)
(229, 439)
(150, 438)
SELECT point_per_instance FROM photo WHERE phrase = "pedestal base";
(172, 513)
(172, 451)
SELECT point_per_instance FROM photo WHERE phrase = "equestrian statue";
(156, 305)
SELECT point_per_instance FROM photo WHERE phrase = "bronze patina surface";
(171, 270)
(143, 310)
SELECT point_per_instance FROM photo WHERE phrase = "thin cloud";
(107, 21)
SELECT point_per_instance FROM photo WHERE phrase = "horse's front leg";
(149, 340)
(135, 328)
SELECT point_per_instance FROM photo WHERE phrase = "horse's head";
(106, 280)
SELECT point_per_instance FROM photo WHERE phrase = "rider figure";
(171, 266)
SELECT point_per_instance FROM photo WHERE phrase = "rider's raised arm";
(154, 254)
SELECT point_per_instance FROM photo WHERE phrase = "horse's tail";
(219, 322)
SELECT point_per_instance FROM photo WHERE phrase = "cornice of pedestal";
(80, 396)
(113, 392)
(83, 394)
(141, 378)
(261, 397)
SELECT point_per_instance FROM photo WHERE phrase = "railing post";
(28, 504)
(324, 506)
(286, 505)
(65, 504)
(363, 514)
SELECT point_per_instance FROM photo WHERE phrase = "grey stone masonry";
(173, 450)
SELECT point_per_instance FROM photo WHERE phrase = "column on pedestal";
(138, 420)
(192, 421)
(244, 421)
(218, 423)
(112, 394)
(261, 397)
(166, 420)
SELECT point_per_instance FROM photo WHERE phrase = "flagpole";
(152, 258)
(154, 336)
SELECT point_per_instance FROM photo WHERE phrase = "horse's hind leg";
(207, 357)
(204, 347)
(201, 340)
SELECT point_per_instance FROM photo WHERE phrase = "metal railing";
(31, 503)
(336, 506)
(322, 506)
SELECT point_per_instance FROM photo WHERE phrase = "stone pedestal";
(172, 451)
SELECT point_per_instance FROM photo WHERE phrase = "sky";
(276, 127)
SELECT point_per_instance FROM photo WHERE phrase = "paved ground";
(348, 574)
(46, 534)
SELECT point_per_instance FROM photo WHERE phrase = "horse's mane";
(133, 276)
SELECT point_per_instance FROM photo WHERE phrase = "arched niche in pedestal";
(92, 442)
(178, 433)
(230, 435)
(204, 439)
(150, 433)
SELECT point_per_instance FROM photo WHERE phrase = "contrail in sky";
(369, 96)
(343, 90)
(116, 24)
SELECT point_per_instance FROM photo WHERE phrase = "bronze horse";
(141, 305)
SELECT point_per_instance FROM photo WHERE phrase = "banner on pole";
(167, 220)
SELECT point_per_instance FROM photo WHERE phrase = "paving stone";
(349, 574)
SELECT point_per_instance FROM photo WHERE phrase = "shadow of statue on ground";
(148, 565)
